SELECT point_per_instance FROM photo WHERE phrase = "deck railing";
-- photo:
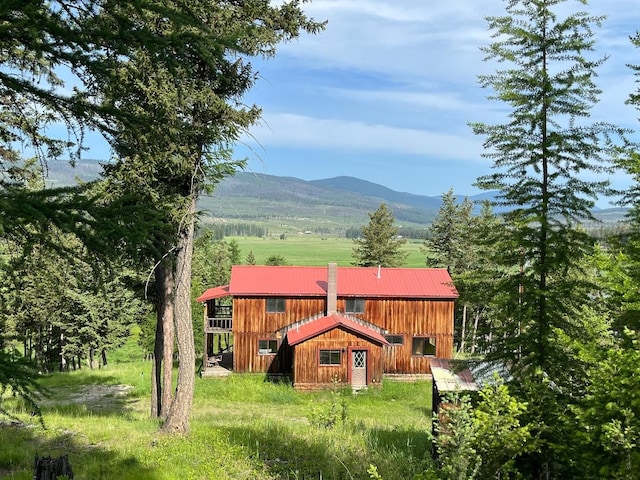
(219, 317)
(220, 323)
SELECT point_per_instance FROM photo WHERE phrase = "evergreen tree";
(607, 429)
(542, 155)
(449, 243)
(379, 244)
(234, 251)
(188, 100)
(251, 258)
(484, 438)
(630, 198)
(276, 260)
(62, 310)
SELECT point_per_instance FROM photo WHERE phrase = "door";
(358, 369)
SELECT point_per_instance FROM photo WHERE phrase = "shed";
(460, 376)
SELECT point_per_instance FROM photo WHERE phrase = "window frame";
(396, 336)
(330, 352)
(428, 340)
(358, 302)
(263, 352)
(275, 304)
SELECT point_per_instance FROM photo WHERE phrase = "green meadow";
(242, 427)
(312, 249)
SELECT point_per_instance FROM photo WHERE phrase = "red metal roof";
(324, 324)
(212, 293)
(261, 280)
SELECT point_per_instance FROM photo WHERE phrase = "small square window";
(354, 305)
(267, 347)
(395, 339)
(423, 346)
(275, 305)
(329, 357)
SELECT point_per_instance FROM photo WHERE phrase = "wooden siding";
(307, 370)
(406, 317)
(247, 359)
(250, 314)
(411, 318)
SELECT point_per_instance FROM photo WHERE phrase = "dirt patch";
(94, 395)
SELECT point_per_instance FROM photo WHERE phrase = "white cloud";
(398, 38)
(398, 79)
(439, 39)
(415, 98)
(292, 130)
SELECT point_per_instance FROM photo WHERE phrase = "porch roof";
(216, 292)
(324, 324)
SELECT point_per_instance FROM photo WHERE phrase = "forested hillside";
(332, 205)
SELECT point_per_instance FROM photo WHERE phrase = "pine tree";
(630, 197)
(545, 156)
(251, 258)
(379, 244)
(448, 243)
(541, 156)
(188, 107)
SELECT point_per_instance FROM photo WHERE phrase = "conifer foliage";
(549, 166)
(541, 155)
(379, 244)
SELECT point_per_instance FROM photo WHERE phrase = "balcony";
(222, 319)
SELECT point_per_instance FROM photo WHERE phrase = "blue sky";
(386, 92)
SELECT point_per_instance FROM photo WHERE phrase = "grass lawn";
(314, 250)
(242, 428)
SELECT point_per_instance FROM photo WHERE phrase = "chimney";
(332, 289)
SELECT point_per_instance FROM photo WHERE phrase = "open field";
(242, 428)
(314, 250)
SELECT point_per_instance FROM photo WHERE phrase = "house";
(318, 325)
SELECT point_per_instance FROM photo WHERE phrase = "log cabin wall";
(308, 374)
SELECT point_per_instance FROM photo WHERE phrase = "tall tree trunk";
(463, 332)
(178, 418)
(168, 338)
(474, 336)
(162, 369)
(91, 358)
(156, 369)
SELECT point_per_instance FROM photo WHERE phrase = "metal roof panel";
(324, 324)
(262, 280)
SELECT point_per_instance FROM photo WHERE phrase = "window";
(267, 347)
(354, 305)
(329, 357)
(395, 339)
(275, 305)
(423, 346)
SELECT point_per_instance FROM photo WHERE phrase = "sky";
(386, 92)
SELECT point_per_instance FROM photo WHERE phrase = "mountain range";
(335, 203)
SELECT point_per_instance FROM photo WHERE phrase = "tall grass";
(242, 427)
